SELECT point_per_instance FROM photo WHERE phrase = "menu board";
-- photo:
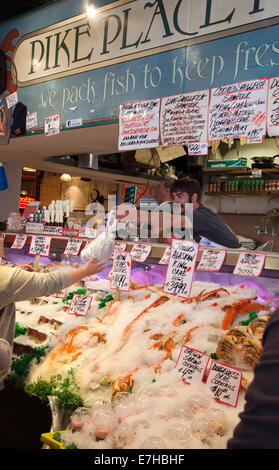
(191, 364)
(249, 264)
(223, 383)
(184, 118)
(211, 259)
(139, 125)
(181, 267)
(239, 110)
(40, 245)
(273, 107)
(19, 241)
(80, 304)
(121, 271)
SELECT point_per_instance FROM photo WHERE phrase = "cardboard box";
(239, 163)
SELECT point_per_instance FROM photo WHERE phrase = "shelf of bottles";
(244, 187)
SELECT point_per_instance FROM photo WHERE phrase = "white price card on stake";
(249, 264)
(181, 267)
(121, 271)
(211, 259)
(140, 252)
(40, 245)
(80, 304)
(73, 246)
(119, 246)
(19, 241)
(191, 364)
(52, 125)
(139, 125)
(223, 383)
(166, 256)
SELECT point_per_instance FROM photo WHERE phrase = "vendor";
(18, 285)
(208, 228)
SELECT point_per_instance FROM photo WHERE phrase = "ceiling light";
(31, 170)
(65, 177)
(91, 11)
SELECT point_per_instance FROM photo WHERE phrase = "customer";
(18, 284)
(259, 422)
(208, 227)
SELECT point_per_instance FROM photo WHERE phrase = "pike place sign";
(126, 30)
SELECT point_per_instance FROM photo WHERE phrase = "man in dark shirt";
(207, 226)
(259, 422)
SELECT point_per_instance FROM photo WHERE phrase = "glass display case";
(139, 363)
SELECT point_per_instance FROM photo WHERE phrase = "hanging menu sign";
(224, 382)
(139, 125)
(273, 107)
(181, 267)
(40, 245)
(249, 264)
(19, 241)
(239, 110)
(121, 271)
(140, 252)
(80, 304)
(166, 256)
(73, 246)
(184, 118)
(211, 259)
(191, 364)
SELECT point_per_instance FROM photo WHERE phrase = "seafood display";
(124, 354)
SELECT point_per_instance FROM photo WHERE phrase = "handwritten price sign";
(249, 264)
(191, 364)
(80, 304)
(140, 252)
(223, 383)
(19, 242)
(211, 260)
(181, 267)
(40, 245)
(166, 256)
(121, 271)
(73, 246)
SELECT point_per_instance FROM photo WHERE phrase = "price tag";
(90, 232)
(198, 148)
(31, 120)
(191, 364)
(211, 259)
(12, 99)
(52, 125)
(40, 245)
(249, 264)
(52, 230)
(166, 256)
(60, 295)
(223, 383)
(80, 304)
(119, 247)
(140, 252)
(68, 232)
(181, 267)
(121, 271)
(73, 246)
(34, 227)
(19, 241)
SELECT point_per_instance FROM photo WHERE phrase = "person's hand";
(93, 267)
(26, 267)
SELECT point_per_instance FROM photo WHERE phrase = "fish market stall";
(133, 369)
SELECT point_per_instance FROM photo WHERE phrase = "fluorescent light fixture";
(65, 177)
(31, 170)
